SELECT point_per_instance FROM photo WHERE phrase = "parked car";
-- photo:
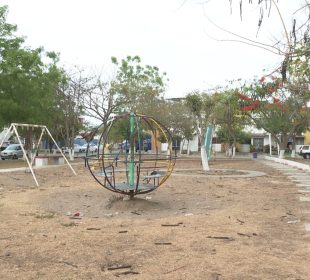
(13, 151)
(79, 149)
(304, 151)
(91, 148)
(5, 145)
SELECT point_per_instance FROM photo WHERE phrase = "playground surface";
(193, 227)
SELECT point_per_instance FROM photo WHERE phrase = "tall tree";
(280, 109)
(228, 117)
(202, 107)
(69, 105)
(177, 117)
(27, 84)
(28, 80)
(99, 100)
(136, 87)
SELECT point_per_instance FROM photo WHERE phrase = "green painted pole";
(132, 151)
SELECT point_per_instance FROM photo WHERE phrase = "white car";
(304, 151)
(79, 149)
(13, 151)
(91, 148)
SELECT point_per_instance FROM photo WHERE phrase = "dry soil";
(196, 226)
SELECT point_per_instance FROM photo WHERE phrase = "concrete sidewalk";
(16, 169)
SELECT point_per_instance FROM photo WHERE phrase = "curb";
(298, 165)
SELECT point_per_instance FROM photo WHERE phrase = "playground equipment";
(129, 169)
(13, 129)
(5, 135)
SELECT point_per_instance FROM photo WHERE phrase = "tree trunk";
(229, 150)
(293, 154)
(233, 151)
(71, 154)
(28, 143)
(234, 147)
(293, 147)
(204, 158)
(181, 146)
(283, 145)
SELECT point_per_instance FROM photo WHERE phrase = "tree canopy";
(137, 87)
(280, 109)
(27, 84)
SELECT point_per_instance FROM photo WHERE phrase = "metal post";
(270, 149)
(25, 155)
(50, 135)
(132, 151)
(37, 146)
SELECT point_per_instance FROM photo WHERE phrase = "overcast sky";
(174, 35)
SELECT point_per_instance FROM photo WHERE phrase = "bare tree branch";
(253, 42)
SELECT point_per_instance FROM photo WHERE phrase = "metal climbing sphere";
(137, 165)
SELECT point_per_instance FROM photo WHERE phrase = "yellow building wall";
(307, 138)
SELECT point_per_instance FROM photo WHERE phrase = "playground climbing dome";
(130, 170)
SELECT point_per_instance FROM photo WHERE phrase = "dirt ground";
(193, 227)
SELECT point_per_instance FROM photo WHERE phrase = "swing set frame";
(14, 130)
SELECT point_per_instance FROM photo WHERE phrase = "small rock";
(293, 222)
(189, 214)
(77, 214)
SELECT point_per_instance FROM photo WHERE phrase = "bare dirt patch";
(193, 227)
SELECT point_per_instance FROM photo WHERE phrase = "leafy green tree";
(201, 106)
(28, 80)
(176, 116)
(27, 84)
(119, 131)
(69, 109)
(136, 87)
(280, 109)
(298, 66)
(228, 117)
(240, 136)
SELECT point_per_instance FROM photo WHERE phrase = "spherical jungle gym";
(137, 165)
